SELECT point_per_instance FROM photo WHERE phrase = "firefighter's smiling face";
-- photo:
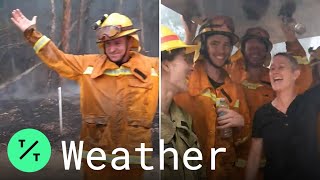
(219, 48)
(116, 49)
(255, 52)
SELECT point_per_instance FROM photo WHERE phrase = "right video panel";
(240, 89)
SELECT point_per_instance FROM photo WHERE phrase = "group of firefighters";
(119, 91)
(242, 79)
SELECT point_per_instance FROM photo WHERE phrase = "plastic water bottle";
(226, 132)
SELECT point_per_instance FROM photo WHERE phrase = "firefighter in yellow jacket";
(118, 89)
(208, 83)
(256, 47)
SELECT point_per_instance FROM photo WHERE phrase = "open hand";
(21, 21)
(230, 118)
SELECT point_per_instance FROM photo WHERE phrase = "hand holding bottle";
(227, 118)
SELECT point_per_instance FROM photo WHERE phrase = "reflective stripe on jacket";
(199, 103)
(118, 104)
(257, 94)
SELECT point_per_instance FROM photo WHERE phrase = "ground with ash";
(43, 114)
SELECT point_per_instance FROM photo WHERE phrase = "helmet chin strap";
(213, 64)
(126, 54)
(206, 56)
(127, 49)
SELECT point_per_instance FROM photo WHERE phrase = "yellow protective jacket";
(118, 104)
(305, 79)
(199, 102)
(236, 69)
(257, 94)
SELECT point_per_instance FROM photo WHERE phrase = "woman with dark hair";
(287, 128)
(176, 124)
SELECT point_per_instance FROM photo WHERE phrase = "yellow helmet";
(222, 25)
(170, 41)
(114, 26)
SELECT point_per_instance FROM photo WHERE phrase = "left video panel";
(79, 84)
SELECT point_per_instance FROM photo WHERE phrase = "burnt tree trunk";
(53, 21)
(54, 79)
(80, 24)
(141, 25)
(82, 21)
(66, 25)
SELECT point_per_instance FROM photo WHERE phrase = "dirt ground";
(42, 114)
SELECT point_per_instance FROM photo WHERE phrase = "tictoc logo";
(29, 150)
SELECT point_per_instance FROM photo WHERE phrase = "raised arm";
(294, 47)
(292, 44)
(190, 29)
(67, 65)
